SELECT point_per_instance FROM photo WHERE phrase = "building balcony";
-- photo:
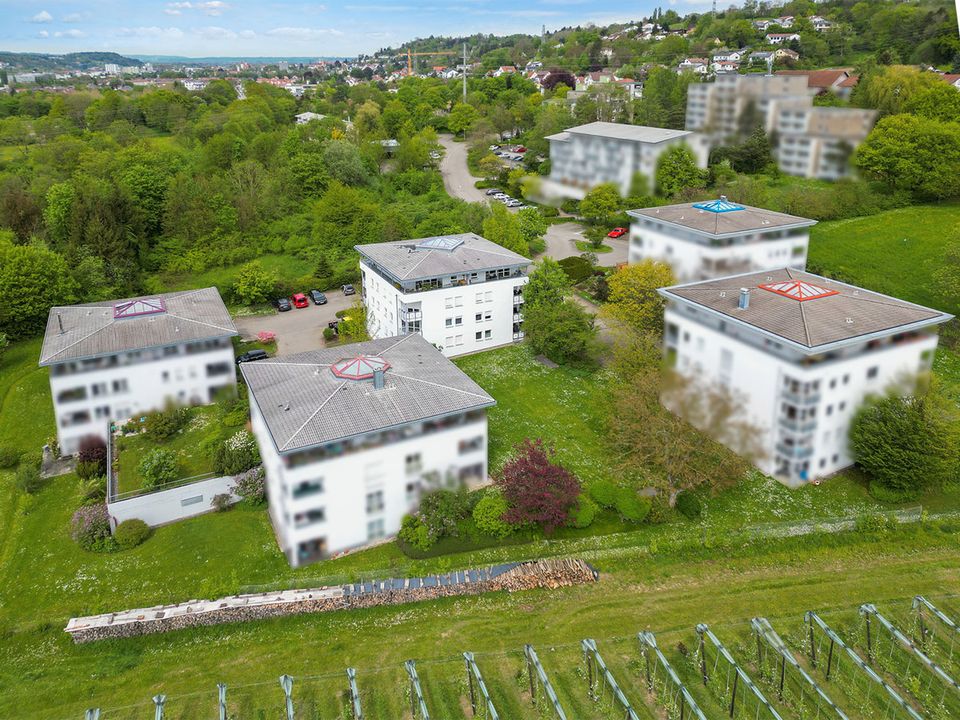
(518, 317)
(800, 452)
(411, 314)
(798, 399)
(798, 426)
(517, 300)
(518, 335)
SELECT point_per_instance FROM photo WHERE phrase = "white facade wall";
(757, 374)
(349, 520)
(167, 506)
(693, 258)
(121, 392)
(451, 318)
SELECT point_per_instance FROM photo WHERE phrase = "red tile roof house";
(838, 80)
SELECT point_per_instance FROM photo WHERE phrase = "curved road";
(561, 238)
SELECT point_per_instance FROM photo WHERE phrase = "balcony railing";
(794, 451)
(799, 426)
(798, 399)
(517, 300)
(518, 317)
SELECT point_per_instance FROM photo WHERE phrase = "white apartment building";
(352, 436)
(711, 239)
(463, 293)
(811, 141)
(115, 360)
(801, 352)
(603, 152)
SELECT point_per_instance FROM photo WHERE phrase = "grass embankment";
(893, 252)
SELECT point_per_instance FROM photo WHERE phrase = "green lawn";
(893, 252)
(191, 446)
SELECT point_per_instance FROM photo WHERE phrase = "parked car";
(318, 297)
(348, 290)
(520, 149)
(494, 148)
(252, 356)
(300, 300)
(283, 304)
(494, 191)
(513, 203)
(501, 195)
(617, 232)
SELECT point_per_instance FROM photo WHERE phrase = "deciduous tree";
(537, 490)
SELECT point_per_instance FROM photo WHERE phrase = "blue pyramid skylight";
(718, 206)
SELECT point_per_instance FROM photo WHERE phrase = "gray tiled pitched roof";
(723, 223)
(304, 404)
(624, 131)
(405, 261)
(815, 324)
(90, 330)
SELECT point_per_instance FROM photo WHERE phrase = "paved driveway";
(456, 177)
(561, 242)
(299, 329)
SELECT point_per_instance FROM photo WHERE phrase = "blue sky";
(246, 27)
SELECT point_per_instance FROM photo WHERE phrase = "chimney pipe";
(378, 379)
(744, 302)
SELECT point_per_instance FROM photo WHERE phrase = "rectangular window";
(478, 317)
(872, 372)
(222, 368)
(120, 385)
(448, 302)
(316, 515)
(375, 502)
(478, 335)
(487, 334)
(413, 463)
(488, 296)
(479, 297)
(376, 529)
(488, 315)
(458, 301)
(305, 488)
(470, 445)
(448, 322)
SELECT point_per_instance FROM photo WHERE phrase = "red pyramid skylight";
(798, 290)
(358, 368)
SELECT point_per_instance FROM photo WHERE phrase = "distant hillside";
(231, 59)
(42, 62)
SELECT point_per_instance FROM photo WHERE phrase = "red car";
(300, 300)
(617, 232)
(520, 149)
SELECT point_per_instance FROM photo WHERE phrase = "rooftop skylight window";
(440, 243)
(138, 308)
(718, 206)
(358, 368)
(798, 290)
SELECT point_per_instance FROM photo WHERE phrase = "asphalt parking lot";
(300, 329)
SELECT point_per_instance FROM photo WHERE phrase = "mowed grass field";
(893, 252)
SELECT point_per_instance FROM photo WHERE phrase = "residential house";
(305, 117)
(699, 66)
(820, 24)
(822, 81)
(781, 38)
(585, 156)
(952, 79)
(798, 354)
(116, 360)
(463, 293)
(504, 70)
(705, 240)
(783, 53)
(352, 436)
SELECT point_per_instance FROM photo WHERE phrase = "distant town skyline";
(203, 28)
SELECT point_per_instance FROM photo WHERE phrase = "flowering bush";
(266, 336)
(249, 485)
(236, 454)
(221, 502)
(90, 528)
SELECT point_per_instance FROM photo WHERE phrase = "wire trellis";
(937, 634)
(539, 680)
(474, 678)
(664, 683)
(418, 705)
(729, 682)
(600, 680)
(839, 663)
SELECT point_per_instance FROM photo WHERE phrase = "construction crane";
(411, 55)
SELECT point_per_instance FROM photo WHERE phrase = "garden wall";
(166, 506)
(395, 591)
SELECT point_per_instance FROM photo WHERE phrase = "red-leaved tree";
(537, 490)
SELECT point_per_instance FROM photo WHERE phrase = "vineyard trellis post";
(474, 676)
(681, 696)
(813, 620)
(222, 700)
(354, 694)
(920, 604)
(597, 669)
(286, 683)
(534, 666)
(158, 701)
(92, 714)
(417, 701)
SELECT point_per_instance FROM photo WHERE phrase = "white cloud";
(42, 17)
(215, 33)
(74, 17)
(169, 33)
(302, 33)
(247, 34)
(70, 34)
(212, 7)
(43, 34)
(172, 11)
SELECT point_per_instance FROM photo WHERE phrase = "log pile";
(545, 574)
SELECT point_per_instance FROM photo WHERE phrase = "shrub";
(603, 492)
(869, 523)
(688, 504)
(660, 510)
(164, 424)
(131, 427)
(537, 489)
(88, 469)
(329, 334)
(584, 513)
(890, 495)
(488, 515)
(158, 467)
(131, 533)
(414, 532)
(631, 506)
(93, 490)
(442, 510)
(576, 268)
(549, 211)
(250, 486)
(93, 449)
(90, 528)
(9, 457)
(28, 478)
(237, 454)
(221, 502)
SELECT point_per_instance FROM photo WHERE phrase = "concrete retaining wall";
(163, 618)
(166, 506)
